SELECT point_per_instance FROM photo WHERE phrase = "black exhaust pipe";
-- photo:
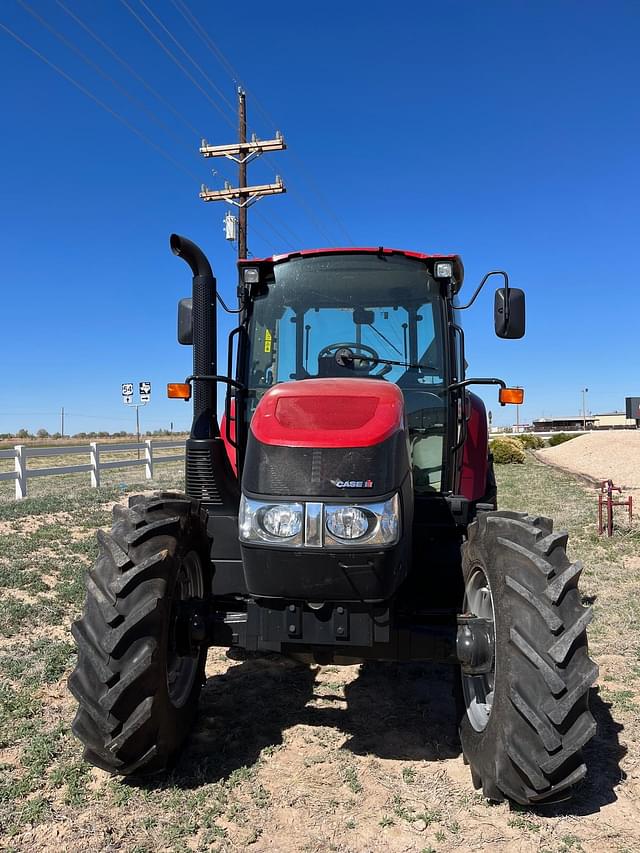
(208, 474)
(205, 422)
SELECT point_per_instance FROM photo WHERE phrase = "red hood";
(329, 413)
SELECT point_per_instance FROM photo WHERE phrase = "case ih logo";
(353, 484)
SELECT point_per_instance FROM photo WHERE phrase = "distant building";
(576, 423)
(614, 420)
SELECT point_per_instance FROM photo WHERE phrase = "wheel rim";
(182, 670)
(479, 689)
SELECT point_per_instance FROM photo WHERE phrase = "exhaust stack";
(205, 422)
(208, 474)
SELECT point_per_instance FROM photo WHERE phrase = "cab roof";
(370, 250)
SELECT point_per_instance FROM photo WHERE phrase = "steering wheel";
(343, 354)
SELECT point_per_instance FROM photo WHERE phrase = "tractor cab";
(373, 314)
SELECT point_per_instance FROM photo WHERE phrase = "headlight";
(283, 521)
(366, 524)
(314, 525)
(348, 522)
(277, 523)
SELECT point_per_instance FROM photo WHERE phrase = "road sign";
(127, 393)
(144, 389)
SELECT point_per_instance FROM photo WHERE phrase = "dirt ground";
(286, 757)
(609, 455)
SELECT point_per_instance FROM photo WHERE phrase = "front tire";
(526, 721)
(136, 681)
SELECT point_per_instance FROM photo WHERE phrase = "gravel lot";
(614, 454)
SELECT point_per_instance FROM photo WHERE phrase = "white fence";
(21, 453)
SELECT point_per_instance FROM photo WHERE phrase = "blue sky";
(505, 131)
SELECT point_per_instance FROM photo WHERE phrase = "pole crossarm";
(247, 195)
(243, 152)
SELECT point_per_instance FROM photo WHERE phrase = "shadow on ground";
(403, 711)
(398, 711)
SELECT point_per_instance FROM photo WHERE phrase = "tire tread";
(551, 673)
(119, 669)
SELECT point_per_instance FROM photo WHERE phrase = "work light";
(443, 269)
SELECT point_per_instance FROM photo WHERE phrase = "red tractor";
(344, 510)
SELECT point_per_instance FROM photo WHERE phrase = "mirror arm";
(215, 378)
(226, 307)
(482, 284)
(483, 381)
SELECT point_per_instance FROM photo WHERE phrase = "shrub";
(559, 438)
(530, 441)
(507, 450)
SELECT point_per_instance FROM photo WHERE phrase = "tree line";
(43, 433)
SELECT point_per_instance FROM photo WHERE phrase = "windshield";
(377, 316)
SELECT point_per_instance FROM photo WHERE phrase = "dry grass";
(287, 757)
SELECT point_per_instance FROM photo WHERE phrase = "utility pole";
(242, 173)
(62, 422)
(584, 408)
(242, 196)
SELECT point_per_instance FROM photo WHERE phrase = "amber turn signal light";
(179, 390)
(511, 395)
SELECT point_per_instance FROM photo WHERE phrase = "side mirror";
(509, 319)
(185, 321)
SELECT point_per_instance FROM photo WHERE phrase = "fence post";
(95, 465)
(148, 457)
(21, 471)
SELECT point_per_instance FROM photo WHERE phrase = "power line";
(293, 241)
(283, 237)
(177, 62)
(286, 240)
(71, 46)
(191, 19)
(122, 120)
(98, 101)
(131, 70)
(204, 36)
(189, 57)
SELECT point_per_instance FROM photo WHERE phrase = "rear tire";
(524, 742)
(136, 686)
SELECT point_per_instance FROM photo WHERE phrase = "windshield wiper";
(406, 364)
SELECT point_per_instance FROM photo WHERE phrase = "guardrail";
(21, 453)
